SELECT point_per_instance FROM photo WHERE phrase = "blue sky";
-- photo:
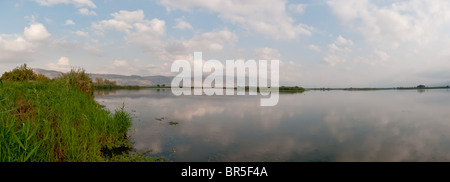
(322, 43)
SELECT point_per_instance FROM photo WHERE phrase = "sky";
(320, 43)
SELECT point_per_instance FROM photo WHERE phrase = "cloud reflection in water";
(314, 126)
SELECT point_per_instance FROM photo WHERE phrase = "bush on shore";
(77, 77)
(45, 121)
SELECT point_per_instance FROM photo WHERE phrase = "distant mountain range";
(120, 79)
(149, 80)
(133, 79)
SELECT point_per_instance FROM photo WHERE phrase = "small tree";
(41, 78)
(99, 81)
(21, 73)
(421, 86)
(79, 78)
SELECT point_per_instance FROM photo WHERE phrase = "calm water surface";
(312, 126)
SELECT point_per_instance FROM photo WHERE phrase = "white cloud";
(136, 66)
(148, 34)
(154, 26)
(15, 48)
(62, 65)
(17, 45)
(289, 71)
(181, 24)
(211, 41)
(113, 24)
(63, 61)
(179, 49)
(124, 21)
(129, 16)
(87, 12)
(314, 48)
(69, 22)
(119, 63)
(93, 50)
(340, 45)
(396, 21)
(36, 32)
(269, 18)
(376, 58)
(145, 33)
(48, 20)
(333, 59)
(338, 51)
(382, 56)
(297, 8)
(77, 3)
(267, 54)
(341, 41)
(81, 33)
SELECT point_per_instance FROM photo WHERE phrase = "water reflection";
(100, 93)
(313, 126)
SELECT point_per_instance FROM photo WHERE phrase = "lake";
(384, 125)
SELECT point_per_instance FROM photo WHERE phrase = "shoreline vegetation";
(420, 87)
(104, 84)
(118, 87)
(43, 120)
(287, 89)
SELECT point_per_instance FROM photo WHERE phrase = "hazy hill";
(120, 79)
(134, 79)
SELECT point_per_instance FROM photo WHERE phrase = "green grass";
(79, 78)
(53, 121)
(291, 89)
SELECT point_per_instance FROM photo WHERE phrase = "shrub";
(101, 83)
(50, 122)
(41, 78)
(421, 86)
(21, 73)
(77, 77)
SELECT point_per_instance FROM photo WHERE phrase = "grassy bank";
(52, 122)
(59, 121)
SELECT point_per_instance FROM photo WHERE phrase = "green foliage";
(123, 119)
(49, 121)
(291, 89)
(103, 84)
(41, 78)
(77, 77)
(100, 82)
(21, 73)
(135, 157)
